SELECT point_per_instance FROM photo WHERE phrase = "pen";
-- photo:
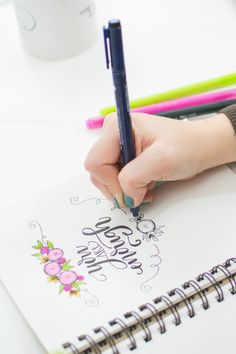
(180, 92)
(172, 105)
(115, 56)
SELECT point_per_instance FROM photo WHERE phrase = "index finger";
(103, 157)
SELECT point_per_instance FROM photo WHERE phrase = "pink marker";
(191, 101)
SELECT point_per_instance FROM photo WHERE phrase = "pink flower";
(44, 250)
(68, 277)
(80, 277)
(62, 261)
(55, 254)
(52, 268)
(68, 287)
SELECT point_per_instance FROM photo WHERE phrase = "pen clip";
(106, 39)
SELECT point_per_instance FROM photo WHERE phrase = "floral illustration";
(149, 229)
(58, 268)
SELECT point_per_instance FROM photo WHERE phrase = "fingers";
(102, 161)
(102, 187)
(136, 178)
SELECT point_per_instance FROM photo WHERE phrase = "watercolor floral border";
(58, 268)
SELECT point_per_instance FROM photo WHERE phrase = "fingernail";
(115, 201)
(129, 202)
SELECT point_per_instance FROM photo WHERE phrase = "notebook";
(90, 278)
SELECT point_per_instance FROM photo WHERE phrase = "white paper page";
(188, 229)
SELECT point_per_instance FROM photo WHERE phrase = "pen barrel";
(124, 119)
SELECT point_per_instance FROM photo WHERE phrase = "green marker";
(188, 90)
(194, 111)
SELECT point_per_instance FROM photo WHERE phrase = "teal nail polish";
(146, 203)
(115, 201)
(159, 183)
(129, 202)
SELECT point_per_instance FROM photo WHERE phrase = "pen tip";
(135, 212)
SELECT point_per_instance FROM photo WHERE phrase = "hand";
(166, 150)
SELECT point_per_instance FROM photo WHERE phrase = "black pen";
(115, 55)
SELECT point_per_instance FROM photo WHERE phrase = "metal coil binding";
(125, 328)
(171, 306)
(156, 315)
(70, 346)
(227, 274)
(108, 337)
(93, 345)
(140, 321)
(199, 291)
(187, 293)
(185, 299)
(228, 261)
(213, 281)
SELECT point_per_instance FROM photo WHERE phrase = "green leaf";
(50, 244)
(67, 263)
(76, 285)
(36, 247)
(36, 254)
(61, 288)
(40, 244)
(66, 267)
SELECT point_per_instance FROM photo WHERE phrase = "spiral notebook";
(90, 278)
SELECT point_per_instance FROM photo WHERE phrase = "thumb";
(135, 178)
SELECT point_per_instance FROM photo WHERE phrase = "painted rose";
(62, 261)
(55, 254)
(68, 287)
(68, 277)
(44, 250)
(52, 268)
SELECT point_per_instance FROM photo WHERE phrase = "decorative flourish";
(92, 300)
(149, 229)
(145, 286)
(56, 266)
(76, 201)
(36, 225)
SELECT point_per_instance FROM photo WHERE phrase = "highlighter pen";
(173, 105)
(115, 55)
(180, 92)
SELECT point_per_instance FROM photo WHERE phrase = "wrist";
(219, 141)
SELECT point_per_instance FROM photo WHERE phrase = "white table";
(43, 104)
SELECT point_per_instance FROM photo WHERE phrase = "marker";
(199, 110)
(115, 55)
(173, 105)
(180, 92)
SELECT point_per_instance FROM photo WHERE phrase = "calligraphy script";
(109, 245)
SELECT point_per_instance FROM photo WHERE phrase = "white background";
(43, 105)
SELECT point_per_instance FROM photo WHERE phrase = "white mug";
(56, 29)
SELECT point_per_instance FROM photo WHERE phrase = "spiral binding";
(149, 314)
(185, 299)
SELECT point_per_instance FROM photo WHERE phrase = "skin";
(166, 150)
